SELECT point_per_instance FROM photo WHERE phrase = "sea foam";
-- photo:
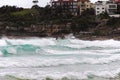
(74, 59)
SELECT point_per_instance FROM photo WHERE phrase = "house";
(106, 6)
(117, 1)
(84, 5)
(66, 5)
(100, 7)
(118, 6)
(111, 7)
(76, 7)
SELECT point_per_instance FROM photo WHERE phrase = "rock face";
(40, 30)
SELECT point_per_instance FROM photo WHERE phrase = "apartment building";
(83, 5)
(111, 7)
(100, 7)
(118, 1)
(106, 6)
(76, 7)
(118, 6)
(66, 5)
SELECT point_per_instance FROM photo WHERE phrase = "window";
(98, 12)
(74, 6)
(98, 8)
(71, 10)
(82, 5)
(70, 6)
(74, 10)
(74, 3)
(112, 6)
(58, 3)
(103, 8)
(83, 9)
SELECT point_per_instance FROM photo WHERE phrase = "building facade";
(100, 7)
(111, 7)
(84, 5)
(66, 5)
(117, 1)
(76, 7)
(118, 6)
(105, 6)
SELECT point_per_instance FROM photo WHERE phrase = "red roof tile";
(83, 0)
(118, 1)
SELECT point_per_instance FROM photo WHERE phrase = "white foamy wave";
(75, 43)
(1, 54)
(47, 62)
(36, 41)
(87, 75)
(62, 75)
(50, 51)
(70, 36)
(69, 58)
(93, 75)
(3, 42)
(97, 43)
(92, 52)
(35, 62)
(103, 60)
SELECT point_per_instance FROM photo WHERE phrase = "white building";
(106, 6)
(100, 7)
(111, 7)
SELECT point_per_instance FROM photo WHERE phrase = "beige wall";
(84, 5)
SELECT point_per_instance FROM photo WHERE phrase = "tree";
(90, 11)
(104, 15)
(8, 9)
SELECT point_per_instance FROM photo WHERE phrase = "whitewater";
(62, 59)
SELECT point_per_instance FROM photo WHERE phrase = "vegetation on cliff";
(45, 20)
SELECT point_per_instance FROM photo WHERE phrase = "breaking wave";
(65, 59)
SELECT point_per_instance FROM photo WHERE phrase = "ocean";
(62, 59)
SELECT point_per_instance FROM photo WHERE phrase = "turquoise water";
(67, 59)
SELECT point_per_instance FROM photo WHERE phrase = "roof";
(84, 0)
(63, 0)
(70, 0)
(118, 1)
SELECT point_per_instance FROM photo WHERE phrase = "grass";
(23, 12)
